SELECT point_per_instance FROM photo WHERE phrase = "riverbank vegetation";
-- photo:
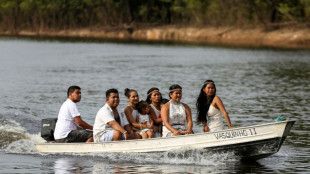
(240, 23)
(38, 15)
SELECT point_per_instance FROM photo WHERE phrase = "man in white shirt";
(111, 124)
(70, 127)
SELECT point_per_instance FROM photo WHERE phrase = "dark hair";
(203, 102)
(164, 101)
(127, 92)
(109, 91)
(149, 94)
(140, 105)
(72, 89)
(172, 87)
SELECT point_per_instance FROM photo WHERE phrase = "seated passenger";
(210, 109)
(154, 98)
(111, 124)
(130, 110)
(70, 127)
(144, 119)
(176, 116)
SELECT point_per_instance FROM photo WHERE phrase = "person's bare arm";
(128, 128)
(82, 123)
(205, 126)
(188, 119)
(116, 126)
(154, 117)
(131, 120)
(151, 121)
(220, 105)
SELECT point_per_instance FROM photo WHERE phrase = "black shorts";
(76, 136)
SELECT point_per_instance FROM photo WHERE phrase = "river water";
(255, 85)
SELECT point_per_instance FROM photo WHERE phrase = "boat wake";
(15, 139)
(187, 157)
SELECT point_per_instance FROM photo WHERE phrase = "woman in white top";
(131, 112)
(154, 98)
(176, 116)
(210, 109)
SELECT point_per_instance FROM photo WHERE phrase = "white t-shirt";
(144, 117)
(103, 117)
(65, 122)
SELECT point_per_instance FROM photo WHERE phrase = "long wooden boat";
(255, 142)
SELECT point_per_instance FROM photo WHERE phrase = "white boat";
(253, 142)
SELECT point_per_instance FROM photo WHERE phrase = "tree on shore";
(37, 15)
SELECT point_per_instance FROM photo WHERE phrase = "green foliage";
(64, 14)
(306, 5)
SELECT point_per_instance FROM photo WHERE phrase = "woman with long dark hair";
(210, 109)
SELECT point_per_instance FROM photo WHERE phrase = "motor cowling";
(48, 128)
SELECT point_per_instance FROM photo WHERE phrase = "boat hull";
(255, 149)
(254, 142)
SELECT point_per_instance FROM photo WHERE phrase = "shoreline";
(286, 38)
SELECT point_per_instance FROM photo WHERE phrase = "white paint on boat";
(272, 133)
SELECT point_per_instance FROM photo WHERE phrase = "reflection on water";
(144, 168)
(90, 164)
(74, 165)
(256, 86)
(95, 166)
(69, 165)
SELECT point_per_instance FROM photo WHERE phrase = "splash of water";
(25, 146)
(185, 157)
(15, 139)
(10, 131)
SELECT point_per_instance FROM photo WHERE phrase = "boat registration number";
(235, 133)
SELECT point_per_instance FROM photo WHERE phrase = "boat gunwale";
(161, 138)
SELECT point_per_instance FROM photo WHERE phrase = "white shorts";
(108, 136)
(144, 131)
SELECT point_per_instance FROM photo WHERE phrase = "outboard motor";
(48, 128)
